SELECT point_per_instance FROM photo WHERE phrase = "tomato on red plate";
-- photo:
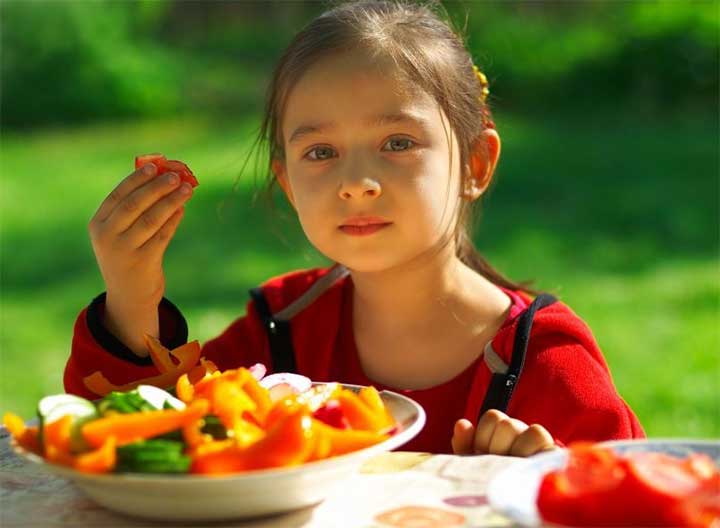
(165, 165)
(602, 488)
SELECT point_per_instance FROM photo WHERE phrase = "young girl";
(380, 136)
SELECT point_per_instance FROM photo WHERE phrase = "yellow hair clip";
(483, 83)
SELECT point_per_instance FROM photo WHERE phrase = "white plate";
(513, 492)
(253, 493)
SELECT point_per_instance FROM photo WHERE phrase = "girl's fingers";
(485, 429)
(160, 240)
(134, 181)
(153, 220)
(462, 440)
(505, 434)
(136, 208)
(533, 440)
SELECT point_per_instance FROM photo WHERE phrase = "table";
(391, 490)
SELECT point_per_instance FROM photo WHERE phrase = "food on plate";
(165, 165)
(600, 487)
(208, 422)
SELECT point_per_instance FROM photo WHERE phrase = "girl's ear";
(280, 172)
(483, 160)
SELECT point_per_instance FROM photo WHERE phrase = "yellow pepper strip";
(184, 389)
(193, 435)
(260, 395)
(127, 428)
(26, 437)
(101, 460)
(347, 440)
(358, 413)
(372, 398)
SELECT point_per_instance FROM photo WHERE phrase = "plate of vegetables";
(673, 482)
(217, 445)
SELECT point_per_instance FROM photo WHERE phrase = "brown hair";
(427, 51)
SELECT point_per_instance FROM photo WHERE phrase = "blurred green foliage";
(74, 60)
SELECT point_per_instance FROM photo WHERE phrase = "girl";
(380, 136)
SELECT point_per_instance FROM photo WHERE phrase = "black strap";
(279, 336)
(502, 385)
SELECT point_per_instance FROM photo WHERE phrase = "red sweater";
(565, 384)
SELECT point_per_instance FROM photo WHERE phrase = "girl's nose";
(359, 188)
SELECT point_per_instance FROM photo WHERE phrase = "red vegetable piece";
(157, 159)
(165, 165)
(331, 413)
(183, 171)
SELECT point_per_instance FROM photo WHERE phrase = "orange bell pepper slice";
(346, 440)
(359, 414)
(26, 437)
(127, 428)
(290, 442)
(101, 460)
(159, 354)
(372, 398)
(187, 355)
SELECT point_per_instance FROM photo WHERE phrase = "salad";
(209, 422)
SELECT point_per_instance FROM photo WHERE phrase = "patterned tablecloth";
(399, 489)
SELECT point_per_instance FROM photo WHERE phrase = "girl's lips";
(362, 230)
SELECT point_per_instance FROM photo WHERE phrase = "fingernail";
(172, 178)
(149, 168)
(185, 188)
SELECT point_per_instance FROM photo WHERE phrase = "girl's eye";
(399, 144)
(320, 153)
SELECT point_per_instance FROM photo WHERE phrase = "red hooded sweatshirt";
(565, 384)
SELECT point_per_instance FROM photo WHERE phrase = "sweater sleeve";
(94, 348)
(568, 389)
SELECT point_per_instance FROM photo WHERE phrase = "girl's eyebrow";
(373, 121)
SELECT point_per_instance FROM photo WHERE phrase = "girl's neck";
(424, 293)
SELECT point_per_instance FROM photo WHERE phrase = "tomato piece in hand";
(165, 165)
(157, 159)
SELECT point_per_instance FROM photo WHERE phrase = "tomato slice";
(601, 488)
(158, 159)
(164, 165)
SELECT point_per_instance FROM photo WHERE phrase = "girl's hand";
(498, 434)
(129, 234)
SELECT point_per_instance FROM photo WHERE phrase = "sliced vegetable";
(285, 384)
(187, 354)
(165, 165)
(601, 488)
(152, 456)
(80, 410)
(288, 443)
(128, 428)
(159, 398)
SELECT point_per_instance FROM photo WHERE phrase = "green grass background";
(616, 214)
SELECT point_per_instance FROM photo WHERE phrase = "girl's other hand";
(498, 434)
(129, 234)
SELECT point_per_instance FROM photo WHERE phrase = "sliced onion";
(296, 382)
(258, 371)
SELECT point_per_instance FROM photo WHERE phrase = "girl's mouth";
(363, 230)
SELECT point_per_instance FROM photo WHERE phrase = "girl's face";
(358, 148)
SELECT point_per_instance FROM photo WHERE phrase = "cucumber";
(52, 408)
(158, 398)
(152, 456)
